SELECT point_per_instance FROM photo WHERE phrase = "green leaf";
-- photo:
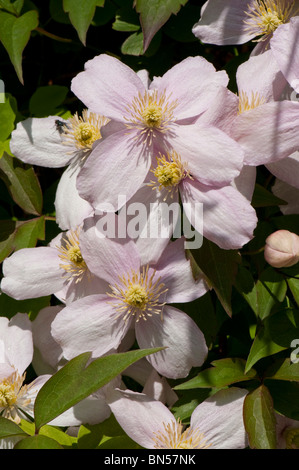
(246, 286)
(126, 20)
(81, 15)
(37, 442)
(46, 100)
(293, 285)
(15, 34)
(9, 429)
(53, 432)
(271, 289)
(133, 45)
(154, 14)
(22, 183)
(224, 372)
(7, 235)
(7, 119)
(75, 381)
(220, 268)
(285, 397)
(12, 7)
(31, 306)
(29, 232)
(283, 369)
(259, 419)
(274, 335)
(264, 198)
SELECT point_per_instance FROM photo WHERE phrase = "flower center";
(83, 131)
(266, 15)
(138, 295)
(12, 396)
(292, 438)
(169, 172)
(71, 257)
(249, 102)
(174, 437)
(149, 113)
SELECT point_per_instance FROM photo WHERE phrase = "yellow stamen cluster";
(12, 392)
(266, 15)
(138, 295)
(150, 112)
(249, 102)
(169, 172)
(292, 438)
(71, 256)
(175, 437)
(83, 131)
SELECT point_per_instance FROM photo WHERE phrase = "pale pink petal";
(228, 218)
(222, 22)
(107, 86)
(287, 169)
(220, 418)
(31, 273)
(274, 126)
(91, 410)
(192, 95)
(185, 343)
(159, 389)
(149, 220)
(261, 75)
(47, 353)
(116, 167)
(175, 271)
(18, 342)
(284, 45)
(139, 415)
(211, 155)
(107, 258)
(89, 324)
(38, 142)
(70, 208)
(245, 182)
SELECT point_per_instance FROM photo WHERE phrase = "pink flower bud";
(282, 249)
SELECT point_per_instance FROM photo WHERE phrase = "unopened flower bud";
(282, 249)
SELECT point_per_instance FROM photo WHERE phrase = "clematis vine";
(148, 118)
(138, 297)
(217, 423)
(237, 22)
(55, 142)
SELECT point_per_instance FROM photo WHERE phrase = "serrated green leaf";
(37, 442)
(22, 183)
(9, 429)
(133, 45)
(283, 369)
(220, 268)
(259, 419)
(274, 335)
(75, 381)
(81, 15)
(154, 14)
(15, 34)
(224, 372)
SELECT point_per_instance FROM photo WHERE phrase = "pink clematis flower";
(16, 351)
(138, 298)
(225, 22)
(54, 142)
(148, 119)
(217, 423)
(55, 269)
